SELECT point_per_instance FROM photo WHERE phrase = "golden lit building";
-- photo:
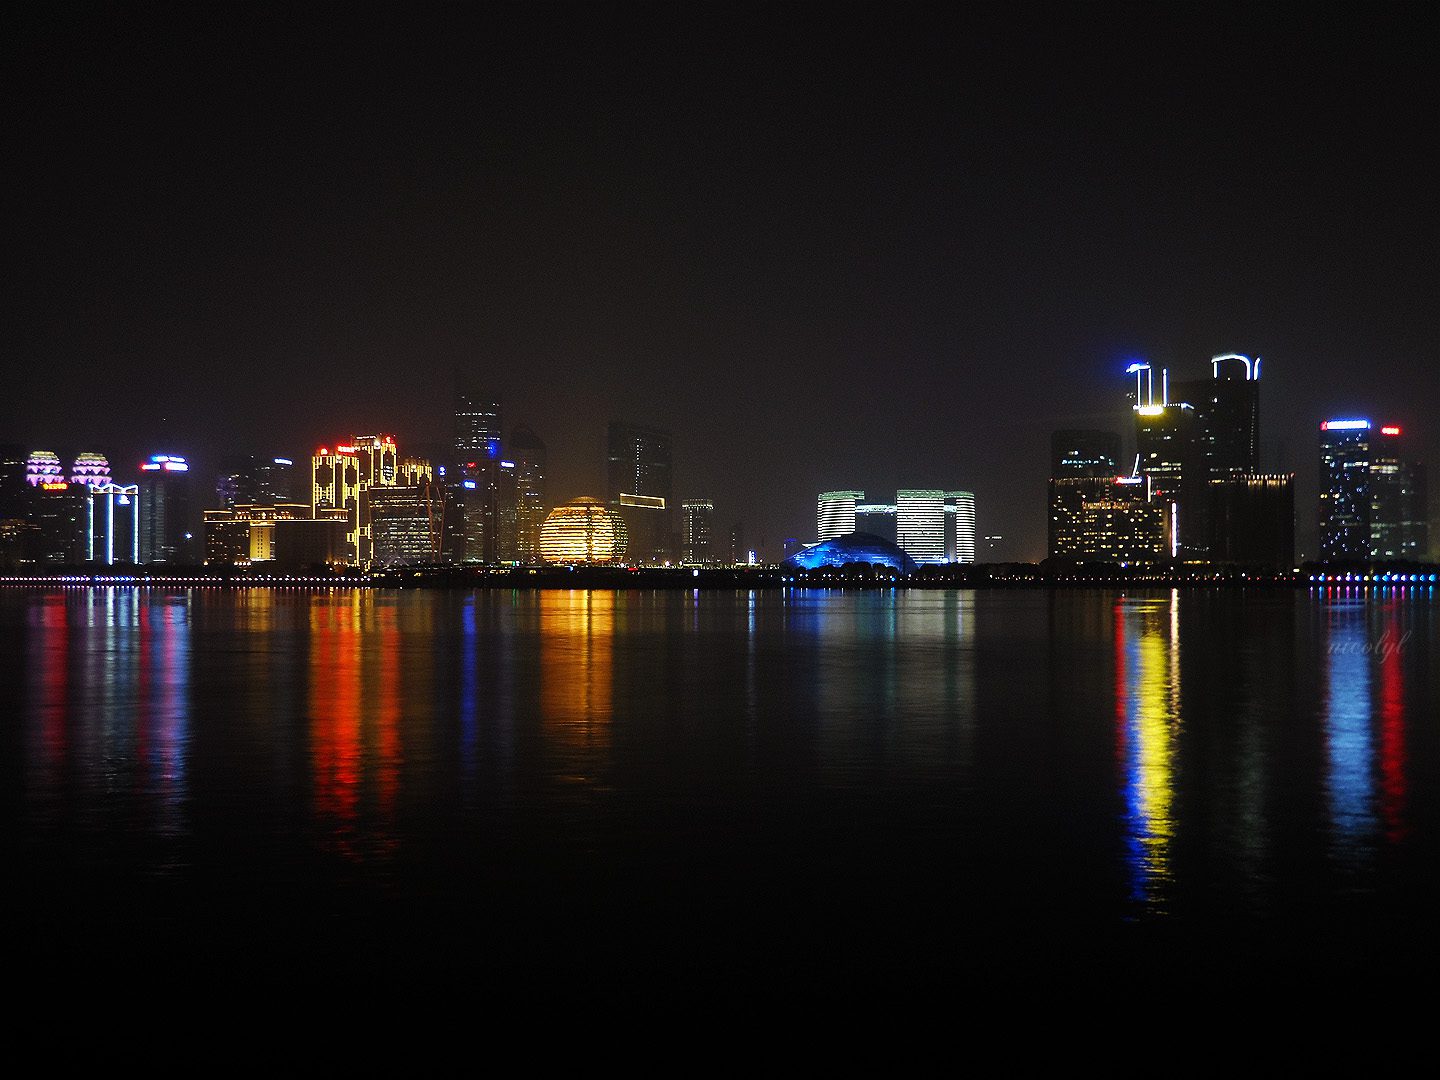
(583, 531)
(343, 475)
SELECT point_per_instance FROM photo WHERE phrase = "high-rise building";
(90, 470)
(920, 525)
(959, 527)
(507, 491)
(638, 475)
(699, 525)
(43, 467)
(405, 522)
(1172, 463)
(477, 427)
(1085, 453)
(475, 490)
(1399, 514)
(59, 511)
(253, 479)
(528, 453)
(1083, 466)
(113, 524)
(737, 543)
(835, 513)
(343, 478)
(14, 488)
(1124, 528)
(875, 519)
(335, 485)
(1227, 414)
(1345, 505)
(165, 533)
(1251, 517)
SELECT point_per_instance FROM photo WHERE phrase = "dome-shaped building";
(856, 547)
(90, 469)
(583, 531)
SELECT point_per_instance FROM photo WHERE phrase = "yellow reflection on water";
(577, 631)
(1147, 687)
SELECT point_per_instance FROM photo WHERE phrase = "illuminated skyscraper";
(43, 467)
(113, 524)
(90, 470)
(1345, 489)
(1227, 414)
(875, 519)
(835, 513)
(476, 489)
(1083, 467)
(920, 525)
(528, 453)
(1399, 515)
(639, 465)
(343, 477)
(165, 532)
(58, 510)
(335, 485)
(699, 525)
(959, 527)
(1085, 453)
(251, 479)
(405, 521)
(477, 428)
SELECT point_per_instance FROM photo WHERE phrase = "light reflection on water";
(1130, 755)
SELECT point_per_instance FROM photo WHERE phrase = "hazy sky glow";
(827, 246)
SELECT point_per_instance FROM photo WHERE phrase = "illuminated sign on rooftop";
(1345, 425)
(1389, 431)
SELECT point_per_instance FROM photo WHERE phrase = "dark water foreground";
(660, 798)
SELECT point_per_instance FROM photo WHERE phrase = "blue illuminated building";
(1345, 489)
(853, 548)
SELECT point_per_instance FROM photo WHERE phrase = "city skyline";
(819, 254)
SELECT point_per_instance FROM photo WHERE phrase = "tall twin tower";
(1194, 490)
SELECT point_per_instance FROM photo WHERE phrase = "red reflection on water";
(387, 713)
(1392, 737)
(53, 661)
(335, 719)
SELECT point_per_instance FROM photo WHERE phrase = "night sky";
(826, 245)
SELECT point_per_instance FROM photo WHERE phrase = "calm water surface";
(815, 791)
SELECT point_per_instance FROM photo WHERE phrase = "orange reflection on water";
(334, 712)
(577, 631)
(384, 720)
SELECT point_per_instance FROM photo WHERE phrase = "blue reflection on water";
(1349, 740)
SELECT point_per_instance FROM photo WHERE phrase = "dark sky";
(826, 245)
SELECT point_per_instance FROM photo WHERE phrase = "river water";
(629, 795)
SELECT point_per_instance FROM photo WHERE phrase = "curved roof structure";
(856, 547)
(583, 531)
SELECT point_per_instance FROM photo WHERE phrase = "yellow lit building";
(583, 531)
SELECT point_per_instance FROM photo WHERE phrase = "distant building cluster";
(1195, 492)
(1372, 494)
(360, 504)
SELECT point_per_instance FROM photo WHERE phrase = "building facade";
(639, 470)
(698, 530)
